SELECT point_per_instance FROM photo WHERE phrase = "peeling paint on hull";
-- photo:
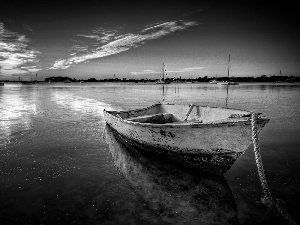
(211, 147)
(217, 163)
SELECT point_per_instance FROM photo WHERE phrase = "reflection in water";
(77, 103)
(226, 101)
(15, 113)
(163, 87)
(176, 195)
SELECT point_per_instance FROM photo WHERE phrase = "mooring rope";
(277, 204)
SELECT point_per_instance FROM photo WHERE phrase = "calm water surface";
(60, 164)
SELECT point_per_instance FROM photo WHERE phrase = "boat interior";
(171, 113)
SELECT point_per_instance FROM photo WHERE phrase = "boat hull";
(211, 147)
(213, 82)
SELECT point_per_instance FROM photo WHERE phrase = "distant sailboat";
(115, 79)
(280, 79)
(67, 81)
(228, 82)
(214, 81)
(162, 78)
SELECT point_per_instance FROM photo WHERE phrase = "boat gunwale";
(188, 124)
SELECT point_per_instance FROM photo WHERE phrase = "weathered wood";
(160, 118)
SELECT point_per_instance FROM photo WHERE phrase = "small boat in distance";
(214, 81)
(228, 82)
(279, 79)
(206, 138)
(1, 84)
(162, 79)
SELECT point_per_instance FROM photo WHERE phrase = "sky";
(132, 39)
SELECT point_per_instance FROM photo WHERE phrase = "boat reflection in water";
(176, 194)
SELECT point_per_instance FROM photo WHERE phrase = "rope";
(277, 204)
(267, 199)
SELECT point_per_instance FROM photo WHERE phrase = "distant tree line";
(263, 78)
(60, 79)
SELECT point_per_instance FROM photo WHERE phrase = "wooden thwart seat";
(159, 118)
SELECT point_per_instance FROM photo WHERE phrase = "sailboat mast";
(163, 72)
(228, 65)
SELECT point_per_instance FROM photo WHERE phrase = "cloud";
(100, 35)
(15, 56)
(28, 27)
(123, 42)
(158, 25)
(191, 69)
(77, 48)
(145, 72)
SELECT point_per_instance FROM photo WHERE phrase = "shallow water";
(60, 165)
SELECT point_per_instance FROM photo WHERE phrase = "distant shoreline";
(263, 78)
(130, 82)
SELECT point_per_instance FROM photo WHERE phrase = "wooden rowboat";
(206, 138)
